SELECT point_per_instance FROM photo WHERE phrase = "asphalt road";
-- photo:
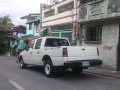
(32, 78)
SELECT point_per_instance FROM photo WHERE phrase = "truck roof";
(55, 37)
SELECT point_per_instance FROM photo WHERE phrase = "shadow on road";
(66, 75)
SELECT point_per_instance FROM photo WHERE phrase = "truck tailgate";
(82, 53)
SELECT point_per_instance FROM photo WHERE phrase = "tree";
(5, 26)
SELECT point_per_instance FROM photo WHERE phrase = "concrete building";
(32, 24)
(60, 19)
(99, 22)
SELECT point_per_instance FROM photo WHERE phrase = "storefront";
(62, 31)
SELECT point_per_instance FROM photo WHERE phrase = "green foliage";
(5, 26)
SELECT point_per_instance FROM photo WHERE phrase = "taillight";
(65, 53)
(97, 51)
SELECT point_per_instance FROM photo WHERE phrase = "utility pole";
(41, 5)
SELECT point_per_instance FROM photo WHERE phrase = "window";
(85, 1)
(66, 7)
(50, 42)
(49, 13)
(38, 43)
(62, 27)
(62, 31)
(30, 26)
(94, 34)
(31, 45)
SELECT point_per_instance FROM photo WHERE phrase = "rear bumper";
(83, 63)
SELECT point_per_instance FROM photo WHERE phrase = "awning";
(43, 29)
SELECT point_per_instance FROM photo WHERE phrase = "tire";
(22, 64)
(49, 68)
(77, 70)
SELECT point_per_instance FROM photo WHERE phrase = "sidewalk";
(104, 72)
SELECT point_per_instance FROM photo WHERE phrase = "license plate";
(85, 63)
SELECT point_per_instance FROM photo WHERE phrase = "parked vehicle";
(55, 53)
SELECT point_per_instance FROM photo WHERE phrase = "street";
(32, 78)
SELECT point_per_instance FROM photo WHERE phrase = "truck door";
(28, 54)
(37, 52)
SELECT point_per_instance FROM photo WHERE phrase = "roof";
(32, 14)
(19, 29)
(55, 37)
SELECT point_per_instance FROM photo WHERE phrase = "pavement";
(5, 85)
(103, 72)
(93, 70)
(32, 78)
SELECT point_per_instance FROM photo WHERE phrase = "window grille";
(49, 13)
(66, 7)
(94, 34)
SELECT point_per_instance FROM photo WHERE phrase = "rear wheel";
(77, 70)
(22, 64)
(49, 68)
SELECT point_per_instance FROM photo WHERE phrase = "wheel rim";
(47, 69)
(21, 63)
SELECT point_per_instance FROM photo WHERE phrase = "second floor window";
(49, 13)
(66, 7)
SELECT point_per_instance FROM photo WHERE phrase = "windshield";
(54, 42)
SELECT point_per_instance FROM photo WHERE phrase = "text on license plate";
(85, 63)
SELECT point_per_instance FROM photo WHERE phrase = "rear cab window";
(55, 42)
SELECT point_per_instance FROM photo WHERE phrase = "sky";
(18, 8)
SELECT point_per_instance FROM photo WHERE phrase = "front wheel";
(22, 64)
(48, 68)
(77, 70)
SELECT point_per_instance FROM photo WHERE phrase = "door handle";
(83, 49)
(38, 52)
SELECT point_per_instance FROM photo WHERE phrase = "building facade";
(99, 22)
(60, 19)
(33, 24)
(21, 33)
(17, 33)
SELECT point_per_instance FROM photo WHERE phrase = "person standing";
(17, 50)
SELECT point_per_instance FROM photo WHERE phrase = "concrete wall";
(108, 47)
(59, 18)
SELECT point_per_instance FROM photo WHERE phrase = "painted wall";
(28, 31)
(33, 29)
(21, 42)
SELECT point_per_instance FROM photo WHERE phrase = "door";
(37, 52)
(28, 55)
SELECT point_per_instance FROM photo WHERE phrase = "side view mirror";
(26, 48)
(30, 49)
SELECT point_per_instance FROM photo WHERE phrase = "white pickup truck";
(56, 52)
